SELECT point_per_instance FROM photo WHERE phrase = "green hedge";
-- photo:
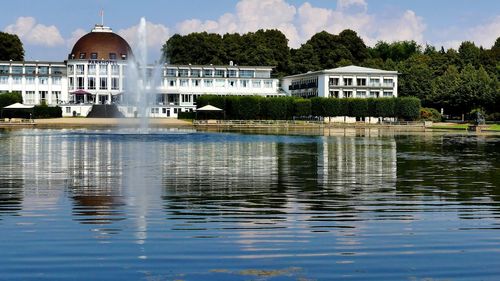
(408, 108)
(283, 108)
(7, 99)
(44, 111)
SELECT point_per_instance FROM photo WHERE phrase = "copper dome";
(100, 44)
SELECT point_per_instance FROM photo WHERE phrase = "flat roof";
(351, 69)
(32, 62)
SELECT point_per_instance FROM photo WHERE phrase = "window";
(361, 81)
(43, 70)
(4, 69)
(232, 83)
(70, 69)
(103, 83)
(30, 70)
(91, 69)
(17, 70)
(93, 56)
(43, 97)
(171, 82)
(112, 56)
(219, 73)
(361, 94)
(256, 83)
(114, 83)
(103, 69)
(208, 82)
(208, 73)
(70, 82)
(30, 80)
(17, 80)
(79, 84)
(374, 82)
(268, 83)
(183, 72)
(263, 74)
(5, 79)
(373, 94)
(57, 70)
(196, 82)
(170, 71)
(164, 110)
(388, 82)
(244, 83)
(80, 68)
(30, 97)
(334, 94)
(82, 56)
(348, 81)
(43, 80)
(186, 98)
(347, 94)
(334, 81)
(68, 109)
(247, 73)
(184, 82)
(195, 73)
(91, 83)
(220, 83)
(115, 69)
(55, 97)
(124, 56)
(232, 73)
(387, 94)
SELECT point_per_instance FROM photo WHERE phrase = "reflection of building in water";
(90, 171)
(357, 161)
(233, 165)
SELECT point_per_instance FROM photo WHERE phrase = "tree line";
(456, 80)
(287, 108)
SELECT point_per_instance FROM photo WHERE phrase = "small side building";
(343, 82)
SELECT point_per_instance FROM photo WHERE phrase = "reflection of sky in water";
(175, 204)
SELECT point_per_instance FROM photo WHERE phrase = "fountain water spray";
(142, 80)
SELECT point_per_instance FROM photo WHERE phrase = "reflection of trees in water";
(463, 168)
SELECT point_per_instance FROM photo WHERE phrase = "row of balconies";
(383, 85)
(303, 86)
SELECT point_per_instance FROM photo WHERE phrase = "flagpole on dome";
(102, 16)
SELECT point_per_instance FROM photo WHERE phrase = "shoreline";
(69, 122)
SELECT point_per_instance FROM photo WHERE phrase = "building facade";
(101, 69)
(343, 82)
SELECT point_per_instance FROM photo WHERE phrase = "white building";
(96, 71)
(39, 82)
(343, 82)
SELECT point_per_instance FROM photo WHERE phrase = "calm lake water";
(185, 205)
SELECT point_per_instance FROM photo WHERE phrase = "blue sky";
(49, 28)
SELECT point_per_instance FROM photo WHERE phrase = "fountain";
(142, 80)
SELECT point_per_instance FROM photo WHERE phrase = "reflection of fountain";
(141, 79)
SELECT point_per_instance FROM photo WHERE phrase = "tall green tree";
(11, 47)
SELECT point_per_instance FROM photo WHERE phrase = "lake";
(178, 204)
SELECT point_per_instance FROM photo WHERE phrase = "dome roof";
(101, 44)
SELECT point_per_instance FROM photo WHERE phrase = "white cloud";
(75, 35)
(157, 34)
(408, 26)
(300, 23)
(35, 33)
(485, 34)
(345, 4)
(250, 16)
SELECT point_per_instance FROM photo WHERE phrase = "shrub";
(273, 108)
(384, 107)
(430, 114)
(408, 108)
(302, 107)
(7, 99)
(332, 107)
(44, 111)
(358, 108)
(248, 107)
(186, 115)
(319, 106)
